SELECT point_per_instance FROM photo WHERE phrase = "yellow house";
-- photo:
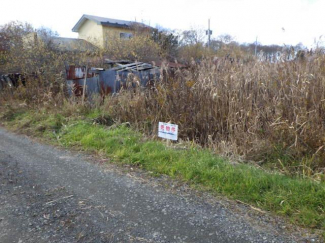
(99, 30)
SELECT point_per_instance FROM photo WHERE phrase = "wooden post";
(84, 86)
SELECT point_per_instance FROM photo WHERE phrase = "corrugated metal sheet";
(76, 86)
(74, 72)
(113, 80)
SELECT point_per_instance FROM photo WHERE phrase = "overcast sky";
(272, 21)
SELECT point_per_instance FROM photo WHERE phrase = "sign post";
(168, 131)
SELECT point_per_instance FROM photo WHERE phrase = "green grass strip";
(302, 200)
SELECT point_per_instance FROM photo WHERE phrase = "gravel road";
(53, 195)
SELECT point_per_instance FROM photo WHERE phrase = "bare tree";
(192, 36)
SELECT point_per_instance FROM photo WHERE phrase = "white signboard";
(167, 130)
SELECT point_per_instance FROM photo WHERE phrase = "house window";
(125, 35)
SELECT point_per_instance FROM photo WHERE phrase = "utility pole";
(209, 33)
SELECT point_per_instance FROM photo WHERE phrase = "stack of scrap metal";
(121, 74)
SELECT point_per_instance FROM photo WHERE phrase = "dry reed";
(259, 110)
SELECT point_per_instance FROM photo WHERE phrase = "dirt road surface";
(53, 195)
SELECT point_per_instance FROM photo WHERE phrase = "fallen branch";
(252, 207)
(59, 199)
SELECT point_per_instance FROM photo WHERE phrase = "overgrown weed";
(261, 110)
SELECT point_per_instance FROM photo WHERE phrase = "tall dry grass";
(267, 112)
